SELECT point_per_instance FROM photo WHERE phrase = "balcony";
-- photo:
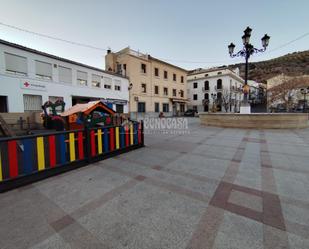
(218, 88)
(205, 89)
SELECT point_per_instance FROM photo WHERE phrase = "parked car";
(280, 108)
(190, 113)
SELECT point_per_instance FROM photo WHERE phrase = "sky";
(190, 34)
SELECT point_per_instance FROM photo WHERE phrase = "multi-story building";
(155, 85)
(29, 77)
(217, 89)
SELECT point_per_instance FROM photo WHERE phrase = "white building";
(29, 77)
(221, 86)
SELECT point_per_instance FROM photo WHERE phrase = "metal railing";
(25, 159)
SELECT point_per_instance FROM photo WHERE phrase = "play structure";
(52, 120)
(91, 114)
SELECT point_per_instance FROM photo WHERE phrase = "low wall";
(256, 120)
(22, 121)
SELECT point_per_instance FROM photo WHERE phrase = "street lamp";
(247, 51)
(304, 91)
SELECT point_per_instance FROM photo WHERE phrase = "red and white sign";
(26, 84)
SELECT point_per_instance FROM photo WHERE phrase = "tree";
(226, 99)
(285, 92)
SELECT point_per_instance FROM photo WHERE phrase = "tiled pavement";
(212, 188)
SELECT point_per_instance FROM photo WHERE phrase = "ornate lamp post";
(246, 52)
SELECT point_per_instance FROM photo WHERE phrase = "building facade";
(216, 89)
(291, 96)
(29, 78)
(155, 86)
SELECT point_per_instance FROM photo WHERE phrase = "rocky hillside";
(294, 64)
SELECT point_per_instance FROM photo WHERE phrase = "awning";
(116, 101)
(177, 100)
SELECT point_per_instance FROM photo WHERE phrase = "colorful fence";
(31, 155)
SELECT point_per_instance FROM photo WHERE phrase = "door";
(182, 109)
(205, 108)
(32, 102)
(174, 109)
(3, 104)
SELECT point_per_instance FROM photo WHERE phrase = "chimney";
(109, 51)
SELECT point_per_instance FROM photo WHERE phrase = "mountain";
(294, 64)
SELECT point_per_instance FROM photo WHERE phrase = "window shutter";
(15, 63)
(81, 75)
(96, 78)
(43, 68)
(65, 74)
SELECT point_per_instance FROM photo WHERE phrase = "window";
(141, 107)
(96, 81)
(82, 78)
(43, 70)
(157, 107)
(194, 96)
(32, 102)
(219, 84)
(206, 85)
(194, 107)
(119, 108)
(181, 93)
(181, 79)
(107, 83)
(118, 68)
(165, 91)
(206, 75)
(195, 85)
(165, 75)
(174, 77)
(156, 72)
(166, 107)
(156, 89)
(143, 68)
(174, 92)
(219, 73)
(182, 108)
(125, 69)
(65, 74)
(54, 99)
(117, 85)
(15, 64)
(219, 96)
(144, 89)
(206, 96)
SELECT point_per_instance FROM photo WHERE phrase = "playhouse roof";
(87, 108)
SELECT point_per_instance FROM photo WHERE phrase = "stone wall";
(256, 120)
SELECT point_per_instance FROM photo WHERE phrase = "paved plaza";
(208, 188)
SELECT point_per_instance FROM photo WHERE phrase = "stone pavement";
(212, 188)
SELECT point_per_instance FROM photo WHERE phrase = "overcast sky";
(181, 32)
